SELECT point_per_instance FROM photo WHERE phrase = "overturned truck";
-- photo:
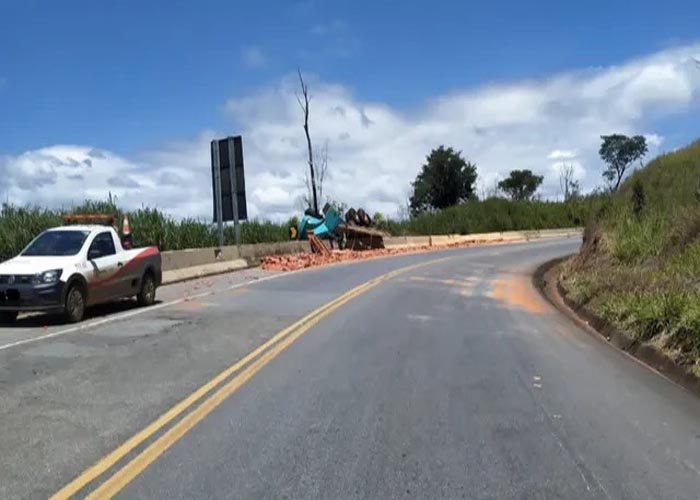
(355, 232)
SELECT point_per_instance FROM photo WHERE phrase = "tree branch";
(321, 165)
(305, 109)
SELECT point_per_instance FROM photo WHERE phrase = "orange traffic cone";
(126, 231)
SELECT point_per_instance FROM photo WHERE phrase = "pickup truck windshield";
(56, 244)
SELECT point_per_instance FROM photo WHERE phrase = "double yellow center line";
(244, 369)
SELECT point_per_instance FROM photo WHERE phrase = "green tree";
(445, 179)
(521, 184)
(619, 151)
(378, 220)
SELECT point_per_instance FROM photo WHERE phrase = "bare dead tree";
(303, 101)
(404, 211)
(493, 191)
(565, 177)
(569, 186)
(321, 169)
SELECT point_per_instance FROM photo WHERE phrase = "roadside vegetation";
(18, 225)
(498, 214)
(639, 266)
(444, 201)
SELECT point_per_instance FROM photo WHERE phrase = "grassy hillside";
(639, 266)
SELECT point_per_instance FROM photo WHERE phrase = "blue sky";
(126, 74)
(132, 77)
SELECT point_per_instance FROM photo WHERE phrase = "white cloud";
(558, 154)
(654, 140)
(254, 57)
(375, 150)
(556, 169)
(66, 175)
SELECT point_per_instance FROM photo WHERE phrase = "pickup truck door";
(104, 263)
(128, 273)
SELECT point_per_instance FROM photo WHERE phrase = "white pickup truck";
(69, 268)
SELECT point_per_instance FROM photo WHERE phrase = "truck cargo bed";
(361, 238)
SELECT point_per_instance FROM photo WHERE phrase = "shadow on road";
(39, 320)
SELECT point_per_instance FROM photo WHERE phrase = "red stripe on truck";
(146, 252)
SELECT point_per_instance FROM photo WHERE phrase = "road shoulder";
(546, 280)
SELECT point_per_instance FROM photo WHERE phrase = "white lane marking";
(130, 314)
(537, 386)
(163, 305)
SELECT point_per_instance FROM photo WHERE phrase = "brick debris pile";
(292, 262)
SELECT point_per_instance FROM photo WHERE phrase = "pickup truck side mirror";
(93, 254)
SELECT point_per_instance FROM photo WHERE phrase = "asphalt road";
(450, 380)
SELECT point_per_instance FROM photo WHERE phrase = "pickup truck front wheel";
(8, 317)
(74, 309)
(147, 294)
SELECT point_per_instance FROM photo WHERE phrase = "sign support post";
(234, 190)
(228, 184)
(216, 171)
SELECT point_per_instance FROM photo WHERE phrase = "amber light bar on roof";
(100, 219)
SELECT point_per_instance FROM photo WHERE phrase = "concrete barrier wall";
(181, 259)
(406, 241)
(255, 252)
(446, 239)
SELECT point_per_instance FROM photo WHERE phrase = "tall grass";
(18, 225)
(498, 214)
(635, 241)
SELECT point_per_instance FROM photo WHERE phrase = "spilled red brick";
(292, 262)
